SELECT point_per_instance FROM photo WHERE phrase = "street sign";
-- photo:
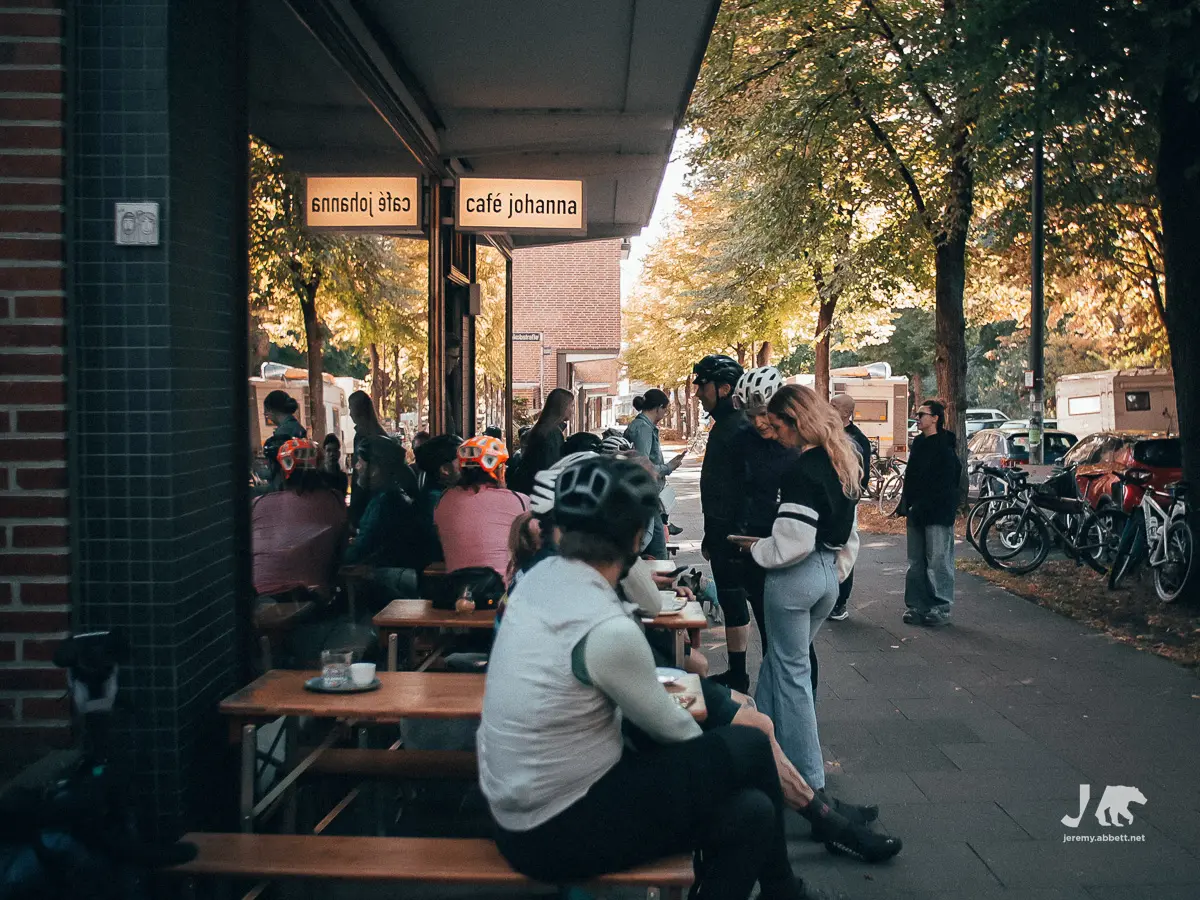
(353, 203)
(527, 335)
(521, 205)
(1029, 378)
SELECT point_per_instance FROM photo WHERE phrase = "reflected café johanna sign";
(521, 205)
(360, 203)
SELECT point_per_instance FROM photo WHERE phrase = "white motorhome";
(276, 377)
(880, 402)
(1117, 400)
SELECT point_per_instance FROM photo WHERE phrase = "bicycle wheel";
(1014, 540)
(1130, 551)
(890, 494)
(1113, 520)
(1171, 576)
(984, 507)
(1090, 541)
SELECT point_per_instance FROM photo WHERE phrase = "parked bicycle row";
(1016, 525)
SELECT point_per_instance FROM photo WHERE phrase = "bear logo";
(1115, 804)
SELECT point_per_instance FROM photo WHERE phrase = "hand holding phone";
(676, 461)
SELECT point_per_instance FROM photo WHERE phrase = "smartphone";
(742, 539)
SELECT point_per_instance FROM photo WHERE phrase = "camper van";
(1117, 400)
(276, 377)
(880, 402)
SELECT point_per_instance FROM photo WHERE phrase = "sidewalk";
(975, 739)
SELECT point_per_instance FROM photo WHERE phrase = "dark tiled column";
(158, 372)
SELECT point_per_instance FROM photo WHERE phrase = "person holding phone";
(642, 432)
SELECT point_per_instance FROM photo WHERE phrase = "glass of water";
(335, 668)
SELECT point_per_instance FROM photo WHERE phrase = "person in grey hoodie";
(930, 501)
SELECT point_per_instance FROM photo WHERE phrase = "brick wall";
(571, 293)
(34, 561)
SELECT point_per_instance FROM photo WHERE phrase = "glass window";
(1166, 453)
(1082, 406)
(1085, 452)
(871, 411)
(1137, 401)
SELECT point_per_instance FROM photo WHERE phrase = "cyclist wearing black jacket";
(723, 481)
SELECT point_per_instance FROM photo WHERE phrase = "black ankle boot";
(862, 843)
(862, 815)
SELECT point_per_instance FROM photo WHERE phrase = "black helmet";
(437, 452)
(717, 369)
(581, 441)
(611, 498)
(493, 431)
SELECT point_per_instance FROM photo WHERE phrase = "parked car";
(979, 419)
(1023, 425)
(1100, 456)
(1010, 449)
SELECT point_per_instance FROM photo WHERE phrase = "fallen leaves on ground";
(872, 521)
(1131, 615)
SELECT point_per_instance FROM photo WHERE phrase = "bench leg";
(249, 763)
(679, 654)
(393, 652)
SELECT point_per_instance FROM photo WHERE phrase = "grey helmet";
(757, 386)
(612, 498)
(614, 444)
(541, 498)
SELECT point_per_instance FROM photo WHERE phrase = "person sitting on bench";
(567, 667)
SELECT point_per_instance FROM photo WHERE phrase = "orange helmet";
(298, 453)
(487, 453)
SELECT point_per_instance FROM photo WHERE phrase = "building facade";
(567, 327)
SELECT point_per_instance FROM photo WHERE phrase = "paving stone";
(1019, 864)
(924, 731)
(1004, 755)
(859, 758)
(926, 823)
(950, 867)
(960, 787)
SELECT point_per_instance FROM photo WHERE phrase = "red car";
(1098, 457)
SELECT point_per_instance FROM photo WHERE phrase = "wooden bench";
(457, 861)
(414, 765)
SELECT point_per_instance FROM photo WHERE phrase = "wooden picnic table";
(414, 615)
(418, 695)
(689, 619)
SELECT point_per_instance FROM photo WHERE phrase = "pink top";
(473, 526)
(295, 539)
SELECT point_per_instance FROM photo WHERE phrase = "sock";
(737, 662)
(826, 821)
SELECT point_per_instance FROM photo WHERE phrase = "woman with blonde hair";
(812, 547)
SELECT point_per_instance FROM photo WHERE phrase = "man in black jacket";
(844, 404)
(930, 501)
(723, 481)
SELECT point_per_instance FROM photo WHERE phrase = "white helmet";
(757, 386)
(541, 498)
(614, 444)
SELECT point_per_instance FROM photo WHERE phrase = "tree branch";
(896, 46)
(884, 141)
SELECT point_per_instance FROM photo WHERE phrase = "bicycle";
(999, 487)
(1160, 537)
(1018, 537)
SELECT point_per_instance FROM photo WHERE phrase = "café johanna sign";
(360, 203)
(521, 205)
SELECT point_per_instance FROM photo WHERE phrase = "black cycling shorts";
(728, 566)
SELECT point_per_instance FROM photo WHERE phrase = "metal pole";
(510, 429)
(1037, 312)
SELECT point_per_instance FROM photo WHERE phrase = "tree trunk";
(764, 354)
(741, 354)
(950, 275)
(399, 385)
(824, 329)
(313, 340)
(916, 393)
(1179, 194)
(376, 378)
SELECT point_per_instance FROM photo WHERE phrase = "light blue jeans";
(796, 602)
(929, 583)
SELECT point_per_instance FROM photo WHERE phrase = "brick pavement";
(974, 739)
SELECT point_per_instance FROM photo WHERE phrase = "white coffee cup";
(362, 674)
